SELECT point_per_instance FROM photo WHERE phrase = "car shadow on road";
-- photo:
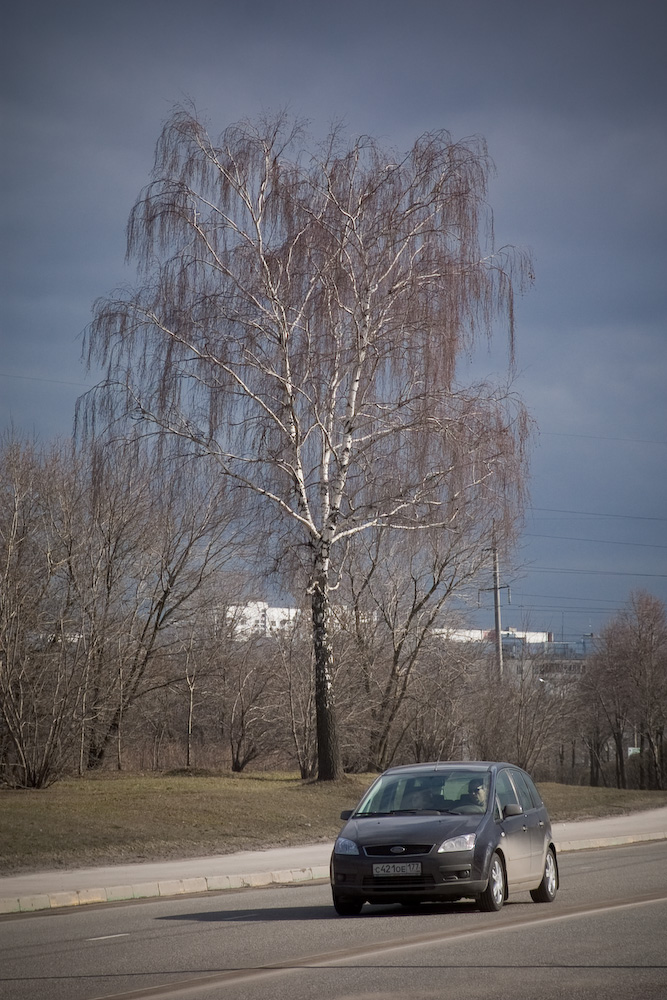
(278, 913)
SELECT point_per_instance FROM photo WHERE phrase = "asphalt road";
(605, 937)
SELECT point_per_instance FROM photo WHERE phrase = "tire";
(347, 906)
(546, 890)
(493, 896)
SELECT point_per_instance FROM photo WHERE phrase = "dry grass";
(114, 819)
(111, 819)
(567, 802)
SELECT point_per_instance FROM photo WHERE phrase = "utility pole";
(496, 604)
(496, 610)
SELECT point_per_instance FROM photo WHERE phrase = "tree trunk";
(191, 709)
(330, 767)
(620, 758)
(594, 744)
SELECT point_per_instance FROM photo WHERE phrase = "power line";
(563, 597)
(595, 572)
(590, 513)
(37, 378)
(548, 609)
(555, 609)
(599, 541)
(599, 437)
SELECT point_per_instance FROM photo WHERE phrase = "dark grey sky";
(572, 99)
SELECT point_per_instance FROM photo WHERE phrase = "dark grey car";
(445, 831)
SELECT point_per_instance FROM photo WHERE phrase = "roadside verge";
(166, 883)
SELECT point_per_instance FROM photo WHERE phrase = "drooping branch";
(300, 320)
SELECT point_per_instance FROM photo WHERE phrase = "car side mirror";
(512, 809)
(346, 813)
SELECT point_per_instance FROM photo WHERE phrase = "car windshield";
(458, 790)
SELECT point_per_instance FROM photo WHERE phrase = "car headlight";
(465, 843)
(345, 846)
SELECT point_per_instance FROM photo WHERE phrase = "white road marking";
(107, 937)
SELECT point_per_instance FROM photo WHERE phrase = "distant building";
(260, 618)
(547, 657)
(511, 637)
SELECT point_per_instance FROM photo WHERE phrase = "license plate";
(398, 868)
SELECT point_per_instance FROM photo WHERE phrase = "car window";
(428, 790)
(534, 794)
(522, 790)
(505, 790)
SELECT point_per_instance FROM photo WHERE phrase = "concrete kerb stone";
(119, 893)
(176, 887)
(64, 899)
(216, 883)
(235, 881)
(92, 896)
(146, 890)
(163, 889)
(288, 875)
(30, 903)
(255, 879)
(567, 846)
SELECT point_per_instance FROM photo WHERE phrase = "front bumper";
(443, 876)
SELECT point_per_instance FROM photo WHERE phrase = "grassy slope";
(114, 819)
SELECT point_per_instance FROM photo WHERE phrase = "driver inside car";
(476, 795)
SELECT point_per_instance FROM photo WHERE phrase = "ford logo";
(397, 850)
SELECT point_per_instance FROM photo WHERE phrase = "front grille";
(397, 883)
(385, 850)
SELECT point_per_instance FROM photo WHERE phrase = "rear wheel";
(347, 906)
(546, 890)
(493, 896)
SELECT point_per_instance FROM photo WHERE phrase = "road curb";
(167, 888)
(566, 846)
(216, 883)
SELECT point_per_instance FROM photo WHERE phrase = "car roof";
(449, 765)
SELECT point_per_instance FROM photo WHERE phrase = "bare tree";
(628, 676)
(396, 592)
(438, 692)
(168, 534)
(300, 321)
(106, 555)
(42, 667)
(294, 654)
(538, 715)
(249, 698)
(605, 686)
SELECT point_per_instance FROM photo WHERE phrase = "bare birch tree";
(300, 320)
